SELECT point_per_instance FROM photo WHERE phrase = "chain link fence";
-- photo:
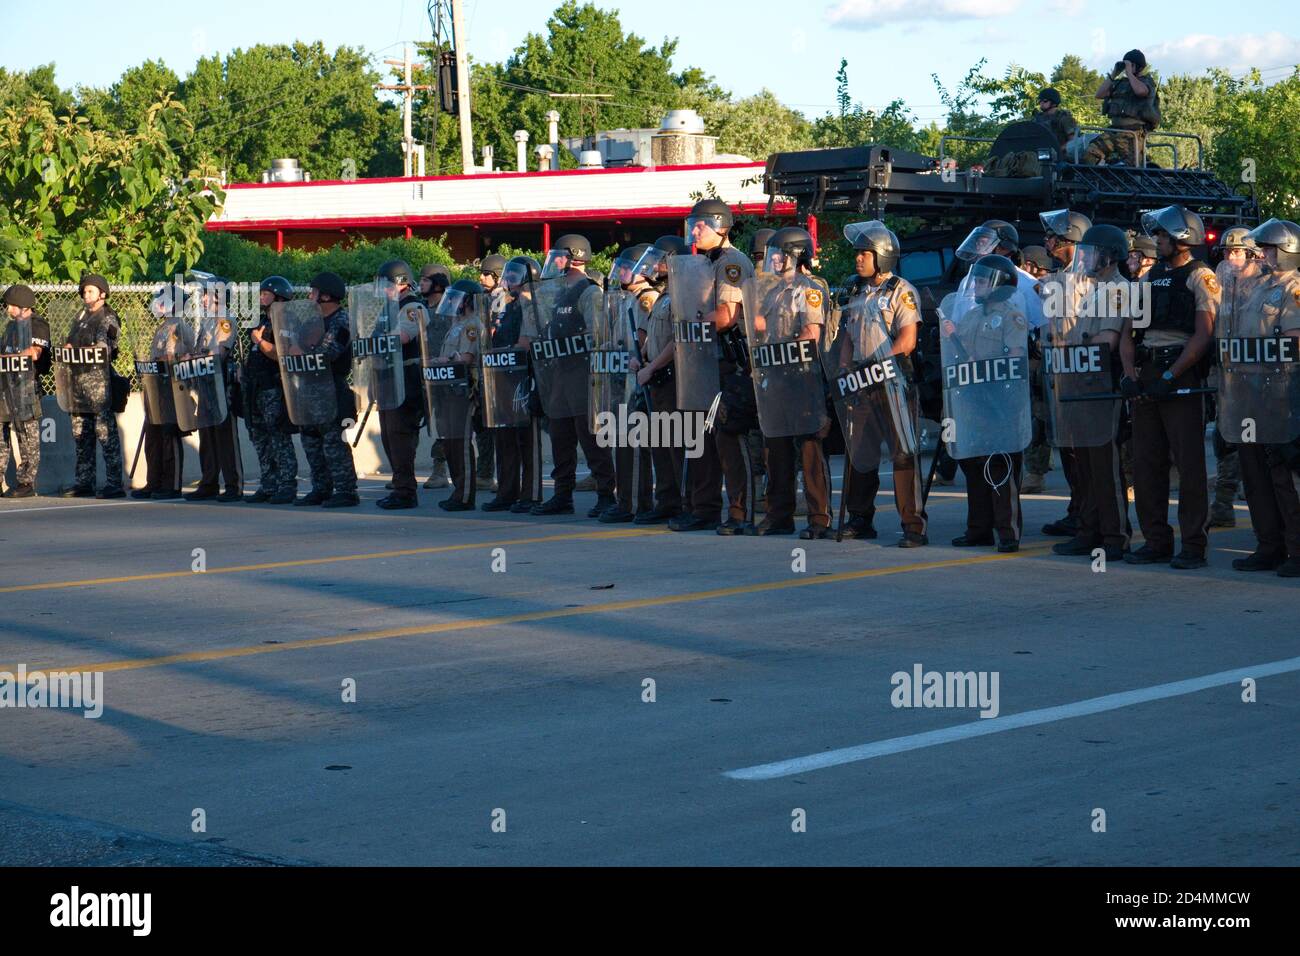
(60, 304)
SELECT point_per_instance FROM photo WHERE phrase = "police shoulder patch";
(814, 298)
(224, 326)
(471, 333)
(1295, 294)
(732, 272)
(909, 300)
(1211, 284)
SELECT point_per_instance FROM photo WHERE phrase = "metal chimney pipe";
(521, 150)
(553, 130)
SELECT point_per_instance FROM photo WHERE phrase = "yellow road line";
(470, 624)
(366, 556)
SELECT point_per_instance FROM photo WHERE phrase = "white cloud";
(869, 14)
(1198, 52)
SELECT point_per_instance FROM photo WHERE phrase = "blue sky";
(892, 45)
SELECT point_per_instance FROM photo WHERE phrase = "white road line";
(995, 725)
(101, 504)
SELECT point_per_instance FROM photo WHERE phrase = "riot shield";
(613, 344)
(1075, 367)
(305, 372)
(692, 294)
(786, 369)
(448, 385)
(153, 368)
(565, 310)
(1259, 382)
(18, 401)
(506, 385)
(868, 386)
(984, 345)
(82, 383)
(198, 382)
(377, 372)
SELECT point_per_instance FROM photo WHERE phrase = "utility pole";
(460, 42)
(408, 98)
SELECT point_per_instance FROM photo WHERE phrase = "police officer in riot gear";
(489, 277)
(219, 458)
(984, 334)
(886, 307)
(1259, 354)
(789, 308)
(656, 374)
(96, 326)
(399, 427)
(621, 330)
(164, 449)
(517, 448)
(333, 474)
(25, 351)
(265, 415)
(708, 228)
(434, 279)
(565, 265)
(452, 405)
(1168, 356)
(1080, 344)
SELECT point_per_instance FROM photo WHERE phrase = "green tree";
(853, 125)
(758, 125)
(24, 87)
(1187, 105)
(1255, 146)
(584, 50)
(300, 101)
(80, 198)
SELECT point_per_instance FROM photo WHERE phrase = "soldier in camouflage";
(269, 428)
(96, 325)
(21, 428)
(333, 474)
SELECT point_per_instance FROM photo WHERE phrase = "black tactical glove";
(1130, 387)
(1160, 387)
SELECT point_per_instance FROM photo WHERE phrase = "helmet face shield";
(453, 302)
(1169, 220)
(556, 264)
(700, 229)
(652, 264)
(623, 271)
(777, 261)
(866, 235)
(1056, 222)
(1089, 260)
(981, 242)
(514, 275)
(984, 283)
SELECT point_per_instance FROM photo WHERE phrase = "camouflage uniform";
(267, 419)
(1135, 115)
(23, 432)
(328, 455)
(88, 330)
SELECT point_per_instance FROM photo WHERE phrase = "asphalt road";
(517, 697)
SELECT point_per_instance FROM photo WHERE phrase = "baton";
(1116, 396)
(362, 427)
(934, 467)
(138, 445)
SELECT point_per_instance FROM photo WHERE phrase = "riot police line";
(691, 330)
